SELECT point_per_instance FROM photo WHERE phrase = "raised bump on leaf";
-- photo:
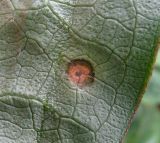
(80, 72)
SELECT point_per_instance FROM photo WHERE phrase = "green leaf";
(38, 40)
(145, 127)
(152, 95)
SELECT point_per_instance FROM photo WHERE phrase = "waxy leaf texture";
(39, 38)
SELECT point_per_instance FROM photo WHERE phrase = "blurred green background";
(145, 127)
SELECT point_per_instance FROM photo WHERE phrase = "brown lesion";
(80, 72)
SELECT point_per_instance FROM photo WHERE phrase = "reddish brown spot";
(80, 72)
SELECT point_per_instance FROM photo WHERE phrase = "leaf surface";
(38, 38)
